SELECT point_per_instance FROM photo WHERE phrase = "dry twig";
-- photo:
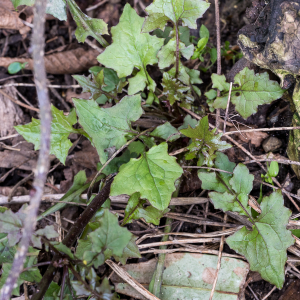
(43, 161)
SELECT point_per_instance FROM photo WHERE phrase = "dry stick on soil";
(96, 5)
(262, 129)
(114, 199)
(217, 16)
(72, 235)
(55, 86)
(227, 108)
(249, 154)
(9, 137)
(126, 277)
(281, 161)
(267, 296)
(43, 161)
(219, 263)
(18, 102)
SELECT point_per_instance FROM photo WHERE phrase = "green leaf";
(15, 67)
(188, 121)
(194, 76)
(163, 34)
(73, 194)
(223, 163)
(162, 11)
(117, 162)
(108, 127)
(32, 275)
(242, 180)
(211, 94)
(219, 82)
(53, 288)
(137, 51)
(136, 147)
(110, 237)
(7, 252)
(17, 3)
(252, 90)
(183, 76)
(61, 127)
(167, 54)
(273, 170)
(203, 32)
(12, 223)
(166, 132)
(87, 26)
(102, 84)
(135, 210)
(175, 90)
(130, 251)
(48, 232)
(153, 175)
(57, 8)
(204, 142)
(265, 246)
(211, 182)
(104, 289)
(62, 248)
(184, 35)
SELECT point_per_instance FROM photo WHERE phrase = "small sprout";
(16, 67)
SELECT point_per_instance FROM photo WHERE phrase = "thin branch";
(213, 169)
(9, 137)
(18, 102)
(96, 5)
(261, 129)
(281, 161)
(55, 86)
(227, 108)
(43, 161)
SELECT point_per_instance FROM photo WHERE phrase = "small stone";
(271, 144)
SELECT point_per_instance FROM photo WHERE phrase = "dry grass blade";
(67, 62)
(204, 251)
(179, 242)
(116, 199)
(126, 277)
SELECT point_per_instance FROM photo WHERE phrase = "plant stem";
(177, 51)
(217, 16)
(43, 161)
(155, 284)
(72, 235)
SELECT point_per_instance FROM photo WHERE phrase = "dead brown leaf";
(10, 113)
(10, 18)
(255, 137)
(67, 62)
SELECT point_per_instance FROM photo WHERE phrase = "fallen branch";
(43, 161)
